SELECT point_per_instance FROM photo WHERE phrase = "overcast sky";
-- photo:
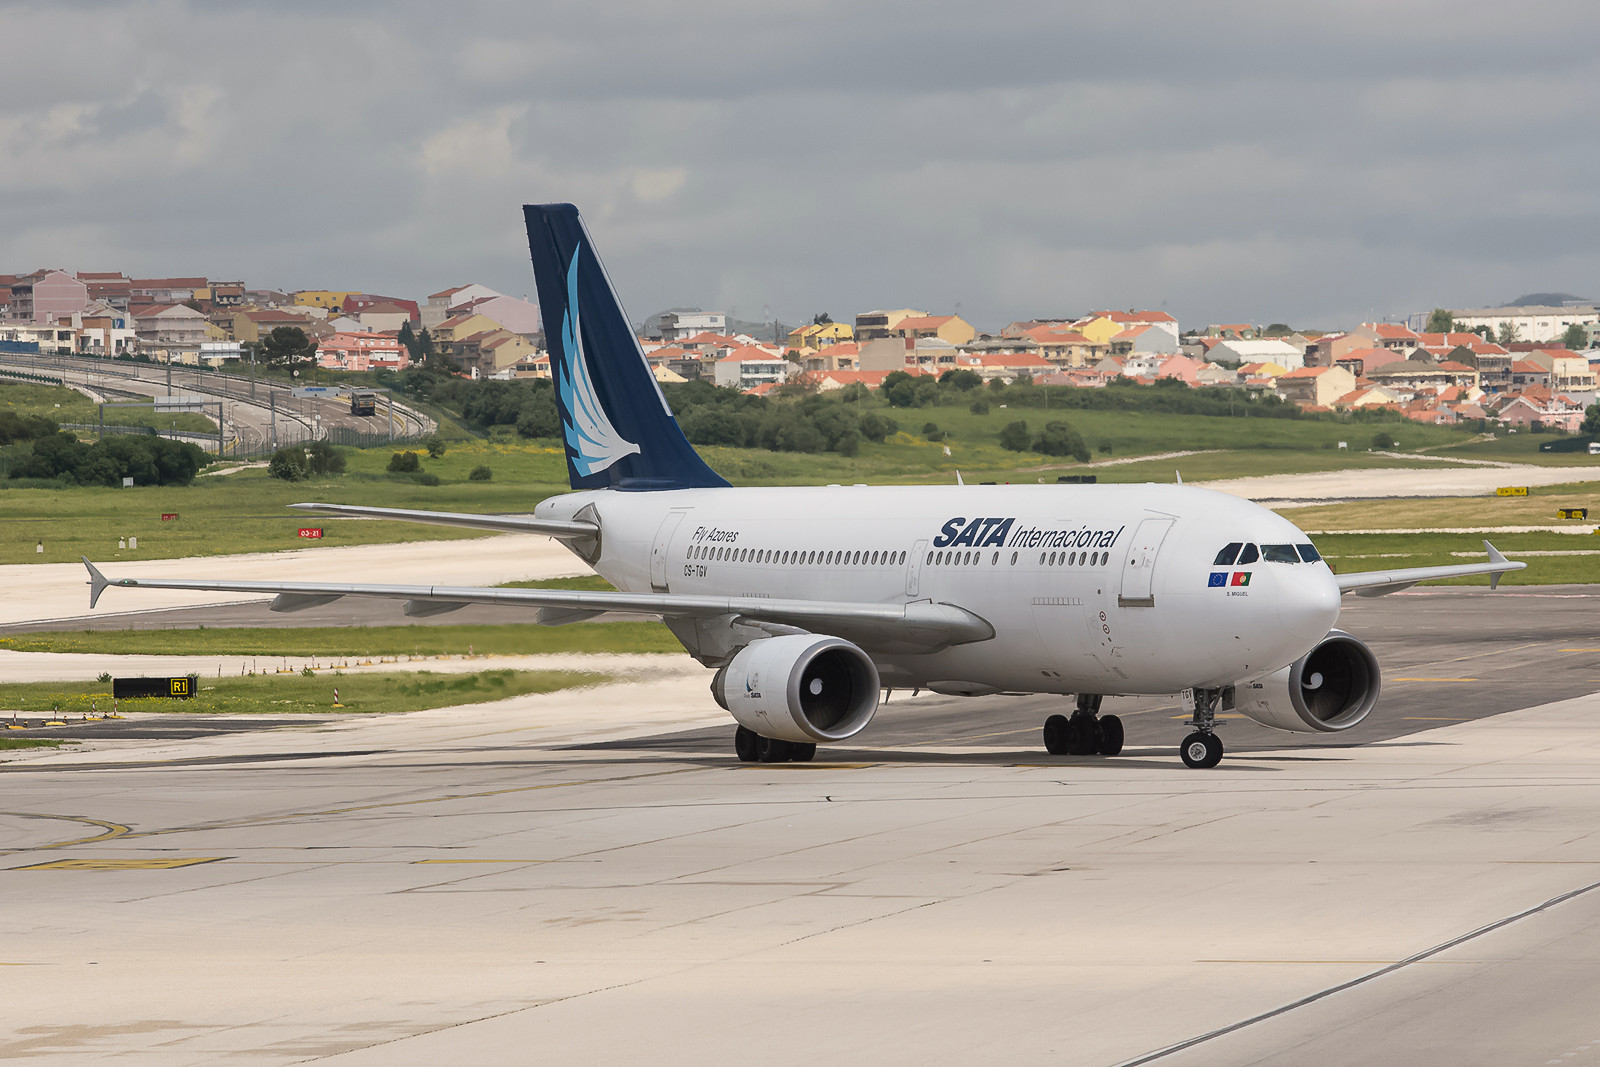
(1315, 163)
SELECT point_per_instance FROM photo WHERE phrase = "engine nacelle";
(800, 687)
(1330, 688)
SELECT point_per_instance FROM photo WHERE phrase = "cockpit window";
(1249, 555)
(1279, 554)
(1309, 553)
(1226, 557)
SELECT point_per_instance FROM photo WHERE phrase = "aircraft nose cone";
(1309, 605)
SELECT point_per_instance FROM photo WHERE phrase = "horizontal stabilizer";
(499, 523)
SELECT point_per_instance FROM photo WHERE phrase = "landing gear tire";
(802, 752)
(745, 744)
(1055, 735)
(772, 750)
(1110, 735)
(1083, 735)
(1201, 751)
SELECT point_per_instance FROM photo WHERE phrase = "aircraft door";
(914, 569)
(1138, 572)
(659, 551)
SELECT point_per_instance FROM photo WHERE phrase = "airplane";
(810, 603)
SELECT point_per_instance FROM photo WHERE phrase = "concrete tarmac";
(587, 877)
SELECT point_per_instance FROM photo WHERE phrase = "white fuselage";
(1098, 589)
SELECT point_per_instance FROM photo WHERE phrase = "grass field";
(32, 742)
(69, 405)
(294, 694)
(356, 642)
(1567, 565)
(1537, 508)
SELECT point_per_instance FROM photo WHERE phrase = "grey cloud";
(1314, 163)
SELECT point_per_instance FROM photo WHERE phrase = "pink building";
(362, 351)
(47, 296)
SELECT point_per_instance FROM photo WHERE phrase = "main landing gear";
(1203, 748)
(753, 748)
(1087, 733)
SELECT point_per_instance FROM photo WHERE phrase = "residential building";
(327, 299)
(440, 304)
(163, 290)
(1535, 323)
(1233, 331)
(951, 329)
(250, 324)
(749, 367)
(679, 325)
(518, 316)
(47, 296)
(491, 353)
(172, 333)
(819, 335)
(383, 317)
(356, 303)
(1316, 386)
(1552, 411)
(1282, 353)
(1149, 338)
(463, 326)
(876, 325)
(361, 351)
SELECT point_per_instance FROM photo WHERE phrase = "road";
(257, 415)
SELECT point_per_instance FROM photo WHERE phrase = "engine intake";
(1330, 688)
(800, 687)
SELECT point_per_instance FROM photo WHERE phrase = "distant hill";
(1553, 300)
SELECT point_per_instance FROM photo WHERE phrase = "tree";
(875, 427)
(823, 319)
(1015, 436)
(1440, 321)
(1591, 420)
(408, 340)
(1575, 338)
(1382, 439)
(1060, 439)
(287, 346)
(962, 379)
(1507, 332)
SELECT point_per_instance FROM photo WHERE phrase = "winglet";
(1495, 556)
(97, 582)
(1180, 476)
(959, 479)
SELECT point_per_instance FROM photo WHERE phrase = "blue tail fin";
(619, 431)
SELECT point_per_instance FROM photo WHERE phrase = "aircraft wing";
(922, 625)
(500, 523)
(1377, 583)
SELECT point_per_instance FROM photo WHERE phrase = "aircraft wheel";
(745, 743)
(1055, 735)
(1083, 735)
(1110, 735)
(772, 750)
(802, 752)
(1201, 751)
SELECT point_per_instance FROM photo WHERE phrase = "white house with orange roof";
(1149, 338)
(748, 367)
(1282, 353)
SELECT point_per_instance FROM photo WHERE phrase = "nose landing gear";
(1087, 733)
(1202, 749)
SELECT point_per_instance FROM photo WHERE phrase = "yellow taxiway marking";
(483, 861)
(1433, 679)
(111, 829)
(163, 864)
(1579, 650)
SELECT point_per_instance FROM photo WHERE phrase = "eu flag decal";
(1241, 578)
(1218, 580)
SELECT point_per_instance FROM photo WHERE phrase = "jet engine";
(800, 687)
(1330, 688)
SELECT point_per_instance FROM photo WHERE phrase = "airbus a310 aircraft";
(810, 602)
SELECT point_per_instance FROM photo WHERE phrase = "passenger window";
(1279, 554)
(1228, 554)
(1309, 553)
(1249, 555)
